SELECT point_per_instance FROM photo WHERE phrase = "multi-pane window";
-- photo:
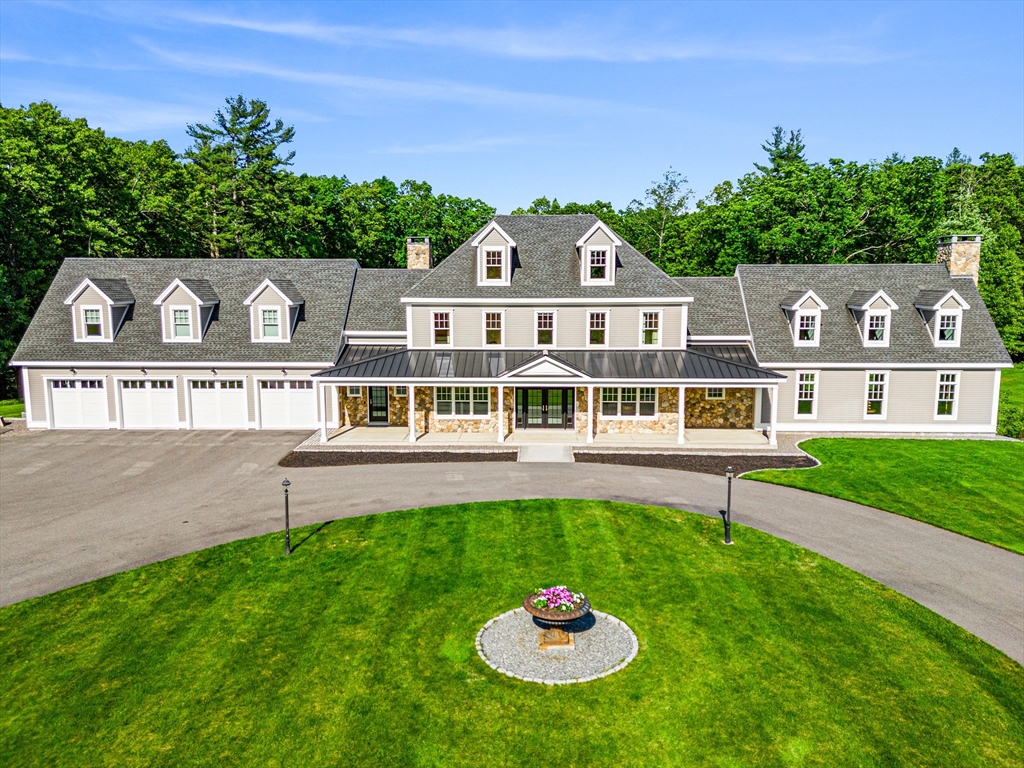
(492, 264)
(492, 327)
(876, 327)
(271, 326)
(947, 328)
(91, 384)
(598, 328)
(629, 401)
(442, 329)
(271, 385)
(300, 385)
(807, 328)
(806, 383)
(401, 391)
(649, 327)
(93, 324)
(462, 401)
(714, 393)
(545, 328)
(355, 391)
(876, 394)
(947, 394)
(598, 265)
(182, 324)
(134, 384)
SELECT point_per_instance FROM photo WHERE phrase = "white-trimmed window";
(271, 320)
(877, 394)
(807, 328)
(598, 264)
(462, 401)
(629, 402)
(714, 393)
(545, 323)
(494, 261)
(92, 322)
(401, 391)
(355, 391)
(650, 328)
(181, 323)
(876, 329)
(597, 331)
(947, 394)
(493, 329)
(442, 322)
(947, 328)
(806, 394)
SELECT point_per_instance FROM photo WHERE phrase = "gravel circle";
(508, 644)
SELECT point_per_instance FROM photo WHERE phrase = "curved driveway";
(77, 506)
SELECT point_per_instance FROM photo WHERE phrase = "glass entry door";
(378, 405)
(544, 409)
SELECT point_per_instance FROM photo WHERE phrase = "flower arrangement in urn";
(557, 599)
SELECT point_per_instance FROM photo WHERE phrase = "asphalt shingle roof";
(548, 266)
(717, 308)
(860, 298)
(325, 283)
(287, 287)
(766, 287)
(376, 299)
(115, 289)
(202, 289)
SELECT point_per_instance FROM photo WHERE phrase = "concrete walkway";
(75, 506)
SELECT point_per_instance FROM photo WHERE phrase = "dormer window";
(182, 323)
(494, 264)
(187, 307)
(91, 318)
(494, 256)
(803, 311)
(596, 250)
(271, 323)
(275, 308)
(943, 314)
(598, 264)
(99, 307)
(878, 328)
(949, 329)
(872, 312)
(807, 328)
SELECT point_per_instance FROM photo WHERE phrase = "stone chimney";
(418, 253)
(961, 254)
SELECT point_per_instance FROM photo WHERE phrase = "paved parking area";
(75, 506)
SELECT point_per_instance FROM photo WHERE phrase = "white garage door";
(79, 404)
(149, 404)
(219, 404)
(288, 405)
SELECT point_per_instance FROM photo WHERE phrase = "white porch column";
(591, 416)
(772, 441)
(501, 414)
(323, 413)
(412, 413)
(758, 394)
(682, 414)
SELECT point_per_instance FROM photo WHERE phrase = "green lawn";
(12, 409)
(972, 487)
(1011, 387)
(358, 650)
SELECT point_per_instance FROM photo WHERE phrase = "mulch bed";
(709, 465)
(350, 458)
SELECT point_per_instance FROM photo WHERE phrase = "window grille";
(876, 327)
(598, 265)
(93, 325)
(876, 394)
(947, 394)
(492, 327)
(598, 328)
(182, 324)
(492, 261)
(808, 326)
(947, 327)
(805, 394)
(442, 328)
(650, 327)
(271, 328)
(545, 328)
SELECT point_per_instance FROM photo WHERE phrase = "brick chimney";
(418, 253)
(961, 254)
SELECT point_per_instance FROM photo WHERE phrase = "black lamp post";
(287, 531)
(727, 512)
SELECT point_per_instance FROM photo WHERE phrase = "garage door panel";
(149, 404)
(219, 404)
(288, 405)
(79, 404)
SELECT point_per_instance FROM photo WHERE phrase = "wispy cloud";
(423, 90)
(567, 41)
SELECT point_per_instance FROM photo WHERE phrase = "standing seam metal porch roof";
(486, 364)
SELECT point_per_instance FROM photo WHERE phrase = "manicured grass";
(1011, 387)
(971, 487)
(358, 650)
(12, 409)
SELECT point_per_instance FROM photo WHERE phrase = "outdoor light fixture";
(74, 372)
(287, 528)
(143, 371)
(727, 512)
(213, 371)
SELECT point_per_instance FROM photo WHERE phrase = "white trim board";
(660, 300)
(864, 366)
(884, 426)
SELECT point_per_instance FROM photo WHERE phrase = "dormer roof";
(598, 225)
(863, 300)
(114, 289)
(284, 288)
(795, 299)
(200, 290)
(493, 226)
(932, 299)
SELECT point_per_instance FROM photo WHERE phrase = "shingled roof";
(324, 283)
(115, 289)
(717, 308)
(765, 288)
(376, 299)
(546, 266)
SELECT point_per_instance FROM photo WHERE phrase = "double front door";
(544, 408)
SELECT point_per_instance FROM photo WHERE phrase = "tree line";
(67, 189)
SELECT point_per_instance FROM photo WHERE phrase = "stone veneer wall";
(582, 417)
(353, 410)
(428, 421)
(665, 421)
(398, 408)
(736, 411)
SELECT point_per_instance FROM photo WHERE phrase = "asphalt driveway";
(75, 506)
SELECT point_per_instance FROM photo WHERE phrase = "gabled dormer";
(943, 314)
(803, 313)
(187, 307)
(598, 255)
(872, 312)
(275, 308)
(494, 252)
(99, 307)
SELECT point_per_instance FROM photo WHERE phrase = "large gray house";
(535, 323)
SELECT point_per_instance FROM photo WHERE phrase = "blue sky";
(511, 101)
